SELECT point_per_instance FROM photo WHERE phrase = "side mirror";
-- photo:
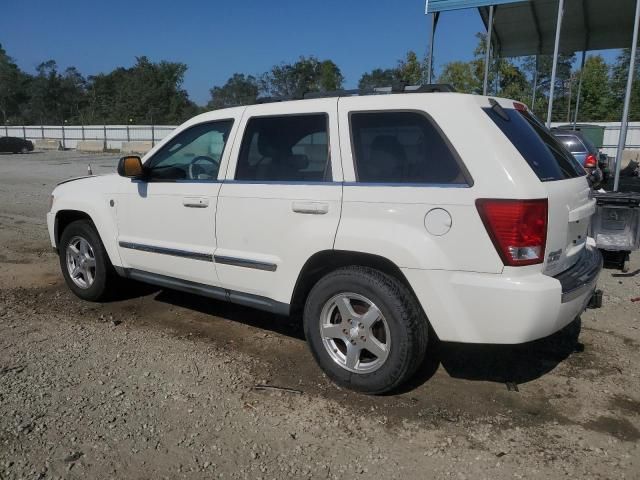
(130, 167)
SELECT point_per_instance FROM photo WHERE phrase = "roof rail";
(355, 92)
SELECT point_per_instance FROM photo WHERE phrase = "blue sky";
(218, 38)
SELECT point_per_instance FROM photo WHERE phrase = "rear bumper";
(513, 307)
(582, 277)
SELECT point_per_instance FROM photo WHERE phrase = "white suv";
(376, 216)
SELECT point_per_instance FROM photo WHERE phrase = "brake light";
(521, 107)
(590, 161)
(518, 228)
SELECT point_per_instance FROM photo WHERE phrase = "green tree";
(461, 76)
(238, 90)
(146, 92)
(594, 96)
(13, 87)
(618, 87)
(308, 74)
(543, 84)
(378, 78)
(409, 70)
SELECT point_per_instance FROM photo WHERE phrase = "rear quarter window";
(544, 153)
(403, 147)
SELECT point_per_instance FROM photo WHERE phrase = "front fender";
(93, 197)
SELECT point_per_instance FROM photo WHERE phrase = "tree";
(618, 86)
(13, 85)
(461, 76)
(594, 96)
(410, 70)
(238, 90)
(543, 84)
(378, 78)
(146, 92)
(308, 74)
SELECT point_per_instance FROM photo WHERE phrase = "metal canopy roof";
(528, 27)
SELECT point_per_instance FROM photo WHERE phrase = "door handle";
(195, 202)
(311, 208)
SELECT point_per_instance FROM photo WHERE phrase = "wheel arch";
(64, 217)
(323, 262)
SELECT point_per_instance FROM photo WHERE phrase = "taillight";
(590, 161)
(518, 228)
(521, 107)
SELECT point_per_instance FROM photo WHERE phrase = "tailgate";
(570, 210)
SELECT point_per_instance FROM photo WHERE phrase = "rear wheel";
(365, 329)
(84, 261)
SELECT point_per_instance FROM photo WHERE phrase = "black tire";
(24, 150)
(103, 279)
(407, 324)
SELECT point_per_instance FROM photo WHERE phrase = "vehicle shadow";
(501, 363)
(509, 364)
(289, 326)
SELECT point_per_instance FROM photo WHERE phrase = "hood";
(75, 178)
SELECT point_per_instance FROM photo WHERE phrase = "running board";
(217, 293)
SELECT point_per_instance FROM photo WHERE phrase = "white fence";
(114, 135)
(70, 135)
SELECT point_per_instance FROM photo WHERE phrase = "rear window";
(572, 143)
(403, 147)
(544, 153)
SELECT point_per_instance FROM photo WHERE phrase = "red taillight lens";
(518, 228)
(590, 161)
(521, 107)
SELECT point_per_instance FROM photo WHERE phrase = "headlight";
(51, 198)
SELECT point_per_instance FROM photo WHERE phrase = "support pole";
(535, 86)
(487, 53)
(627, 99)
(432, 36)
(575, 114)
(555, 60)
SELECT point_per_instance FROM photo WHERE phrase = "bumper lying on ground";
(472, 307)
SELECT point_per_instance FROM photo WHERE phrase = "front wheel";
(24, 150)
(365, 329)
(84, 261)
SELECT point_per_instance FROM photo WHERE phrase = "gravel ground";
(166, 385)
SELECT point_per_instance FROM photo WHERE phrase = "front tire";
(365, 329)
(84, 262)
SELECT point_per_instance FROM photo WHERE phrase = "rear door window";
(403, 147)
(544, 153)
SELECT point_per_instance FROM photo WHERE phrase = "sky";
(219, 38)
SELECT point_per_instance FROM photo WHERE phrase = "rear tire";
(84, 262)
(365, 329)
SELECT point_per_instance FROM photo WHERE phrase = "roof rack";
(398, 88)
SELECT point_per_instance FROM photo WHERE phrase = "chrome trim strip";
(400, 184)
(242, 262)
(281, 182)
(210, 291)
(207, 257)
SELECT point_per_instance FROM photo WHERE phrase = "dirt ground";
(163, 384)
